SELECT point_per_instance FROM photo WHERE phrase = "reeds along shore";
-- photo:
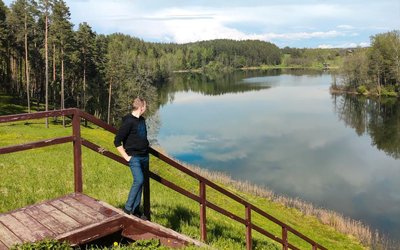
(370, 238)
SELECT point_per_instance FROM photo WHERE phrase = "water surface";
(285, 131)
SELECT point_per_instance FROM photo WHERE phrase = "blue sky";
(310, 23)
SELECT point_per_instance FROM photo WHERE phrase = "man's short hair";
(137, 103)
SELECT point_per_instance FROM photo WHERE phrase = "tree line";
(312, 58)
(44, 60)
(374, 70)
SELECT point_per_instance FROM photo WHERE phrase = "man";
(131, 142)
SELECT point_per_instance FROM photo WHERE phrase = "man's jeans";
(139, 166)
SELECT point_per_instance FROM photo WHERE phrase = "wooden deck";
(80, 219)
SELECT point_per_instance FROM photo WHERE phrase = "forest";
(45, 60)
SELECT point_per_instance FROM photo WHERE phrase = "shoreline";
(265, 67)
(342, 91)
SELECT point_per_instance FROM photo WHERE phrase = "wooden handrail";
(203, 182)
(37, 144)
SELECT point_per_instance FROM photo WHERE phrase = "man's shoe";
(127, 211)
(140, 215)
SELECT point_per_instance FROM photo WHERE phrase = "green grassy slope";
(31, 176)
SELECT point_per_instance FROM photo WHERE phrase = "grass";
(12, 105)
(32, 176)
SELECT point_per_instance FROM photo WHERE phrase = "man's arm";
(121, 150)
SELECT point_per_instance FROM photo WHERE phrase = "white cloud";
(346, 27)
(301, 24)
(304, 35)
(344, 45)
(226, 156)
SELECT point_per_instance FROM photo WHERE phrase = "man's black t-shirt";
(133, 135)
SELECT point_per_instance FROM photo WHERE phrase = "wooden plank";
(94, 231)
(64, 219)
(37, 115)
(136, 229)
(39, 231)
(3, 246)
(74, 213)
(46, 220)
(38, 144)
(90, 202)
(19, 229)
(155, 229)
(97, 121)
(7, 237)
(135, 232)
(84, 209)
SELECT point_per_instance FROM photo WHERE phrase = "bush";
(362, 90)
(47, 244)
(389, 91)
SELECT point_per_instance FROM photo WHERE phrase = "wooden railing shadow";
(77, 115)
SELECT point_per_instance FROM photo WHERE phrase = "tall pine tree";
(85, 39)
(4, 47)
(62, 36)
(22, 21)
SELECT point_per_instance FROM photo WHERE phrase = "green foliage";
(4, 38)
(215, 66)
(146, 244)
(377, 68)
(389, 91)
(362, 89)
(311, 58)
(48, 244)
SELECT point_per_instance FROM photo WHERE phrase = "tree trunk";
(54, 77)
(62, 83)
(46, 53)
(27, 65)
(109, 102)
(84, 86)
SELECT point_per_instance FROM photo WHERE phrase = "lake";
(285, 131)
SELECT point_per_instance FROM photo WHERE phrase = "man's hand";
(122, 152)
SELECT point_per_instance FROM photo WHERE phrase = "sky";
(293, 23)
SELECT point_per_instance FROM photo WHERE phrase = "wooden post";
(249, 243)
(76, 132)
(284, 238)
(203, 227)
(146, 193)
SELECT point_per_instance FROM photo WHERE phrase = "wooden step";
(80, 219)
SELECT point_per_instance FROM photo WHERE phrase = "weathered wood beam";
(38, 144)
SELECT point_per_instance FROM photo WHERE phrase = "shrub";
(47, 244)
(362, 90)
(389, 91)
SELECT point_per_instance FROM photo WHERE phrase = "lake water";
(285, 131)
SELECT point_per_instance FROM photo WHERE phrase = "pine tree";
(4, 38)
(85, 39)
(21, 21)
(45, 6)
(62, 37)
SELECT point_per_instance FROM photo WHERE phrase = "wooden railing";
(201, 198)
